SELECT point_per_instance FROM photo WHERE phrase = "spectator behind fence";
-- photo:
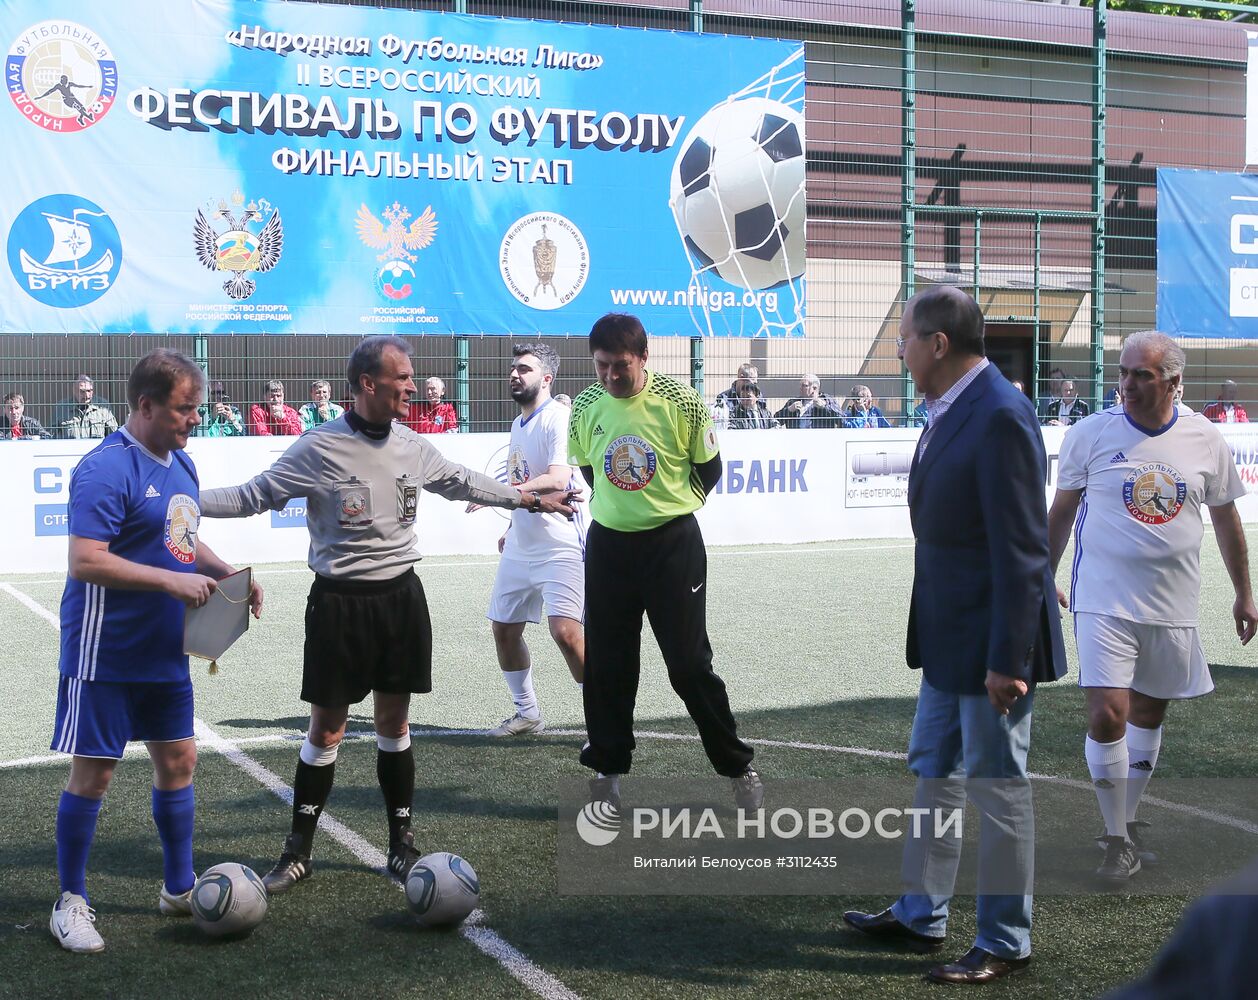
(726, 401)
(434, 415)
(274, 417)
(1225, 409)
(563, 398)
(320, 409)
(15, 425)
(861, 411)
(85, 416)
(1177, 398)
(224, 419)
(812, 407)
(749, 411)
(1067, 408)
(1052, 391)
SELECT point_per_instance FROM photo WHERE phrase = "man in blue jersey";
(135, 564)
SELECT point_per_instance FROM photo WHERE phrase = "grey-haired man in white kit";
(367, 623)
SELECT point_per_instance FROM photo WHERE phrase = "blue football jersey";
(147, 511)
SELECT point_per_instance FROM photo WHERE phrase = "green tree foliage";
(1184, 9)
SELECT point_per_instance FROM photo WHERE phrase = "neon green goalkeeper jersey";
(643, 450)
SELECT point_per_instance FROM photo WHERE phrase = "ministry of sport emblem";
(64, 251)
(629, 463)
(1154, 493)
(395, 276)
(61, 76)
(238, 249)
(544, 260)
(183, 517)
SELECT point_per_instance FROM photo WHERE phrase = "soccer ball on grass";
(228, 899)
(442, 889)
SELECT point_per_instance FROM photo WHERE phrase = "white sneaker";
(518, 725)
(171, 905)
(71, 924)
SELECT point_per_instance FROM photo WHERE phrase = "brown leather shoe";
(977, 967)
(885, 927)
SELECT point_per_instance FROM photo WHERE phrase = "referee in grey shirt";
(367, 624)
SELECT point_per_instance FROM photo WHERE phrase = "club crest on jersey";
(517, 469)
(629, 463)
(183, 517)
(1154, 493)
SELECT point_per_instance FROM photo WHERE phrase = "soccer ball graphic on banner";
(737, 193)
(442, 889)
(228, 899)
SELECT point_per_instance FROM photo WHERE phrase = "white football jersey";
(1139, 527)
(536, 445)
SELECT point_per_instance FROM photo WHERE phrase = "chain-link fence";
(1008, 147)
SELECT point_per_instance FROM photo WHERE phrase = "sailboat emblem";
(64, 250)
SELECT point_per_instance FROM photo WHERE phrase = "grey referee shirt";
(362, 496)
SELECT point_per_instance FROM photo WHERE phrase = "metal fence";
(1005, 146)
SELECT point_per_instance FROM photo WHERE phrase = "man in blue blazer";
(984, 629)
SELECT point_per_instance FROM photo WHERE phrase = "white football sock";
(520, 683)
(1142, 753)
(1107, 764)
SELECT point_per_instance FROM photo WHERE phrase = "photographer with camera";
(812, 407)
(224, 419)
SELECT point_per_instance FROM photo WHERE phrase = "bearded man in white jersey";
(543, 558)
(1132, 480)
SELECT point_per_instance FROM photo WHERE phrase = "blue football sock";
(76, 826)
(174, 813)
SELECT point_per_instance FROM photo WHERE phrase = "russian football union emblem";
(237, 249)
(395, 277)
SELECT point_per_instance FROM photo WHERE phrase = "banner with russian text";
(204, 166)
(1207, 254)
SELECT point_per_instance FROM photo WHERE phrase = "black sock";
(310, 794)
(396, 772)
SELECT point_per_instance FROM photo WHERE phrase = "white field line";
(474, 930)
(423, 565)
(1223, 819)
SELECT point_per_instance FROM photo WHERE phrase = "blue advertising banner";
(208, 166)
(1207, 254)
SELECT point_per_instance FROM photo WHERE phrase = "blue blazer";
(984, 597)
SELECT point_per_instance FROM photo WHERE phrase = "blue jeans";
(957, 737)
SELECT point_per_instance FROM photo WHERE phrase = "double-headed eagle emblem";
(397, 239)
(237, 249)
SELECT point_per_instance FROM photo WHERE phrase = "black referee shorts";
(364, 636)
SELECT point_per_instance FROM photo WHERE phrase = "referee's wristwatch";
(534, 506)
